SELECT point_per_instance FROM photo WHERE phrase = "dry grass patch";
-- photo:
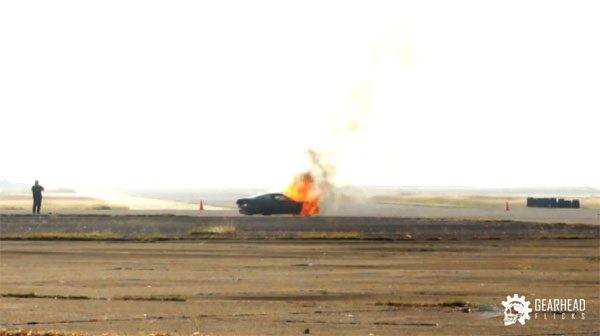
(213, 231)
(328, 235)
(561, 237)
(20, 295)
(60, 204)
(449, 303)
(34, 295)
(453, 303)
(85, 236)
(178, 298)
(209, 232)
(472, 201)
(19, 332)
(457, 201)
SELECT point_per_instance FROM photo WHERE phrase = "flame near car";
(304, 190)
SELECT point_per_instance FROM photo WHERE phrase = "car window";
(280, 198)
(262, 196)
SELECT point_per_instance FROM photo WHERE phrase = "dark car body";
(269, 204)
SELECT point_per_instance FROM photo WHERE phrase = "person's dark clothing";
(37, 204)
(37, 198)
(37, 191)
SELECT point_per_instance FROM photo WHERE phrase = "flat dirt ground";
(292, 286)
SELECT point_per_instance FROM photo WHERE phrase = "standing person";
(37, 196)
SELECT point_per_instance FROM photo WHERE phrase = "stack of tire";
(552, 202)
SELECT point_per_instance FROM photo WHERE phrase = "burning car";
(269, 204)
(300, 198)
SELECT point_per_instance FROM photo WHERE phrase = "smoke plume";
(393, 47)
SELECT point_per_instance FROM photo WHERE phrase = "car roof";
(268, 195)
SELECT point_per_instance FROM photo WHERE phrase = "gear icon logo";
(516, 309)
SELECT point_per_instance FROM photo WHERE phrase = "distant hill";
(6, 185)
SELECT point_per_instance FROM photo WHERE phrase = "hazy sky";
(231, 93)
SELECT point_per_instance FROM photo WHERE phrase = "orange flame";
(303, 190)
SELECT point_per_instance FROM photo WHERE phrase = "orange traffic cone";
(201, 206)
(507, 207)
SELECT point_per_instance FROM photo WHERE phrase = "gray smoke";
(392, 47)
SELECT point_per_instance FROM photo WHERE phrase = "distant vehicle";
(269, 204)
